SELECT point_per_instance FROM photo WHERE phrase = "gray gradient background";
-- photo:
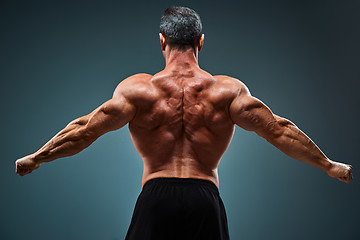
(61, 59)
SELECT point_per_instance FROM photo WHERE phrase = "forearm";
(69, 141)
(296, 144)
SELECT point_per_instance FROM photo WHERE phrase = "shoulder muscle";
(233, 83)
(128, 86)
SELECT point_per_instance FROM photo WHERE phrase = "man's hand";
(340, 171)
(26, 165)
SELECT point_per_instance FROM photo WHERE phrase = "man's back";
(182, 125)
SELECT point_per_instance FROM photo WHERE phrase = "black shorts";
(178, 208)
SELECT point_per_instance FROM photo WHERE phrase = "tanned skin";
(181, 121)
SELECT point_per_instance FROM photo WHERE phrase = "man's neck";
(177, 58)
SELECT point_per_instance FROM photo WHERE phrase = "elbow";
(78, 122)
(84, 132)
(281, 132)
(284, 122)
(275, 130)
(79, 132)
(86, 135)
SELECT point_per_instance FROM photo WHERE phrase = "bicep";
(252, 114)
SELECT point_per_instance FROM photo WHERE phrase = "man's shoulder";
(139, 78)
(134, 86)
(230, 82)
(227, 79)
(135, 81)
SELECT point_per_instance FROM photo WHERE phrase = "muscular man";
(181, 121)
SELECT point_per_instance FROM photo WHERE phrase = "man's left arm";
(81, 132)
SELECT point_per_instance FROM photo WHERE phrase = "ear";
(201, 42)
(162, 41)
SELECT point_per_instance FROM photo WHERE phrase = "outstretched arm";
(81, 132)
(251, 114)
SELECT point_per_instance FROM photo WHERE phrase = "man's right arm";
(251, 114)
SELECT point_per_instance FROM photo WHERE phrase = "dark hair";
(181, 27)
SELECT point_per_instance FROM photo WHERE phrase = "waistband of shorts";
(174, 180)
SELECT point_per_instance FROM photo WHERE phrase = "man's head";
(181, 27)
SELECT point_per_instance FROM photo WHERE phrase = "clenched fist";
(341, 171)
(26, 165)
